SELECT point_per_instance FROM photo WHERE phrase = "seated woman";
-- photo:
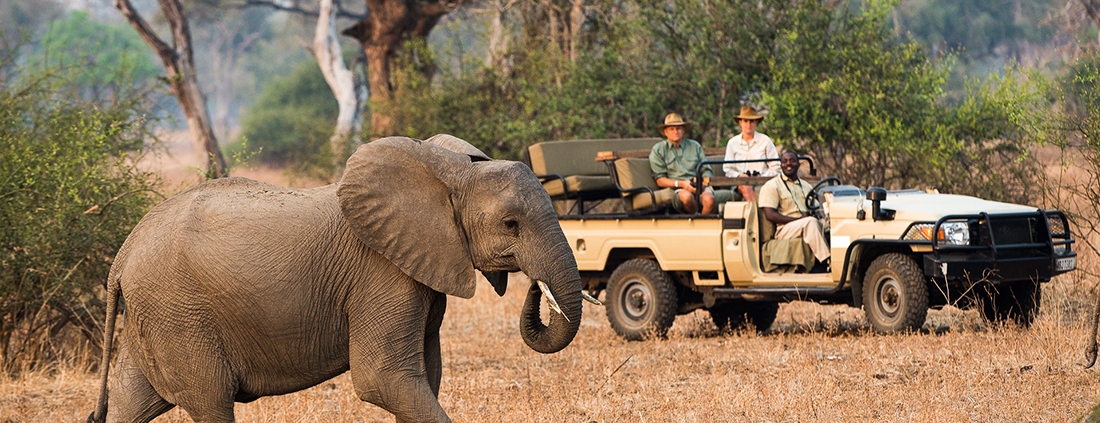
(750, 145)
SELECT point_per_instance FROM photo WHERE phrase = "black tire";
(734, 314)
(1016, 302)
(641, 300)
(895, 295)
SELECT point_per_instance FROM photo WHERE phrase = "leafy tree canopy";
(96, 55)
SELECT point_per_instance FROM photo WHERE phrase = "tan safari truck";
(894, 253)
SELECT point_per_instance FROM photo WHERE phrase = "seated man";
(750, 145)
(673, 163)
(783, 200)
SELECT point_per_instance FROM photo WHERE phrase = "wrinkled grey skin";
(237, 289)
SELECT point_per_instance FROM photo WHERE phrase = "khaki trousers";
(809, 229)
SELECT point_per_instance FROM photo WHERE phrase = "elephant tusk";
(590, 298)
(550, 299)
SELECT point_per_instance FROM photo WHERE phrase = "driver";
(783, 200)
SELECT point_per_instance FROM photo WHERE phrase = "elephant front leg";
(432, 352)
(394, 359)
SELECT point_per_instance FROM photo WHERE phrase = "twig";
(608, 379)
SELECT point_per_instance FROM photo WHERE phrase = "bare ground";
(819, 363)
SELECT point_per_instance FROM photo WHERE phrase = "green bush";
(291, 121)
(70, 193)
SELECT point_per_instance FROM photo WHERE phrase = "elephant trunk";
(565, 287)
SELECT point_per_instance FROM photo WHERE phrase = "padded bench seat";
(568, 170)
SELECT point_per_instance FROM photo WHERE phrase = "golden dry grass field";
(817, 364)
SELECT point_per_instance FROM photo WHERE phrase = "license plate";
(1065, 263)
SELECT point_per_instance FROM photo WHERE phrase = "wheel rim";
(889, 296)
(637, 300)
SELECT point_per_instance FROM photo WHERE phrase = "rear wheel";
(641, 300)
(1016, 302)
(735, 313)
(895, 296)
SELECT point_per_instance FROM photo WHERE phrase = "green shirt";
(669, 161)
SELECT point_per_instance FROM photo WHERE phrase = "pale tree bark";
(576, 20)
(554, 23)
(389, 24)
(497, 39)
(349, 93)
(179, 63)
(224, 68)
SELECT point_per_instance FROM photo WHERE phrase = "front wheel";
(641, 300)
(895, 295)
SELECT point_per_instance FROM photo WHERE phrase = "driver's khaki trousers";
(809, 229)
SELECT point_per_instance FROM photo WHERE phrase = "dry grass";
(819, 364)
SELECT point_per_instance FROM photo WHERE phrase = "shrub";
(70, 192)
(291, 121)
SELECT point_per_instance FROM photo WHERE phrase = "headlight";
(955, 233)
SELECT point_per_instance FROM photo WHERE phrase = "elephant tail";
(114, 291)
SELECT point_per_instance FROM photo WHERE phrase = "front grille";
(1017, 230)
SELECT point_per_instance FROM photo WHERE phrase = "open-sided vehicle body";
(894, 253)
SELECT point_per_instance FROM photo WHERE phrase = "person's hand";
(686, 185)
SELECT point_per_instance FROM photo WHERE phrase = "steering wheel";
(813, 202)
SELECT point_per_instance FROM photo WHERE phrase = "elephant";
(236, 289)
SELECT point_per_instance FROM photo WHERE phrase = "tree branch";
(167, 53)
(340, 12)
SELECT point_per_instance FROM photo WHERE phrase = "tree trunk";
(389, 24)
(1092, 8)
(576, 20)
(348, 92)
(180, 65)
(498, 41)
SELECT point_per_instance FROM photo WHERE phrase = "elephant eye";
(511, 224)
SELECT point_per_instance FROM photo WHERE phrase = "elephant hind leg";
(131, 397)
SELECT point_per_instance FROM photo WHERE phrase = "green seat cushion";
(579, 183)
(634, 173)
(578, 157)
(643, 201)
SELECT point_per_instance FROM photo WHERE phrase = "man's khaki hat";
(748, 113)
(673, 119)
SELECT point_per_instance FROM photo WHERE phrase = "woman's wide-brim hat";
(673, 119)
(749, 113)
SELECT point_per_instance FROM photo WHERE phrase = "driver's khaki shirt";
(787, 196)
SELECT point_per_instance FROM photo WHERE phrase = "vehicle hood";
(914, 206)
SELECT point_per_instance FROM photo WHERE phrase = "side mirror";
(877, 195)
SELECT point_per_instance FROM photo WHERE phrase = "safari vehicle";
(894, 253)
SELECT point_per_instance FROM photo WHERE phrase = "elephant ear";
(397, 201)
(458, 145)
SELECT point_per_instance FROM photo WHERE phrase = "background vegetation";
(69, 195)
(982, 97)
